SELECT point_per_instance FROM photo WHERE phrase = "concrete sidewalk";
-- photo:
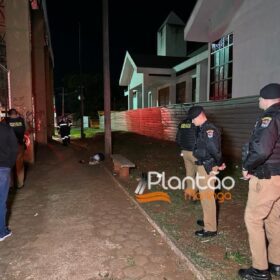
(71, 221)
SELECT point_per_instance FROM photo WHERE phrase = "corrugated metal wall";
(235, 117)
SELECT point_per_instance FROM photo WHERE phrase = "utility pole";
(62, 111)
(106, 74)
(81, 86)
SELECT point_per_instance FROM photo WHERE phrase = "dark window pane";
(230, 70)
(216, 90)
(181, 92)
(230, 38)
(212, 75)
(226, 41)
(229, 88)
(212, 60)
(230, 53)
(212, 91)
(225, 71)
(225, 89)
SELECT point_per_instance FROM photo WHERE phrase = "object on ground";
(96, 159)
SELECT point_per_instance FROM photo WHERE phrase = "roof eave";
(123, 81)
(210, 19)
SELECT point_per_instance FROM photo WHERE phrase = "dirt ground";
(219, 257)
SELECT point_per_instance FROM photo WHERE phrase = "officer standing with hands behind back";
(208, 153)
(185, 138)
(261, 164)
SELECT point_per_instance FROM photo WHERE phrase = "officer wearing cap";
(261, 166)
(207, 151)
(185, 138)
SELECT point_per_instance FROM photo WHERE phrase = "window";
(163, 96)
(134, 100)
(221, 68)
(181, 93)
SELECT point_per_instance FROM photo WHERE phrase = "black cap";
(12, 111)
(195, 111)
(270, 91)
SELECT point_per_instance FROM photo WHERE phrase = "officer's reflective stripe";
(65, 137)
(16, 124)
(63, 124)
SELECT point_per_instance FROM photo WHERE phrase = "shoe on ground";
(254, 274)
(200, 223)
(204, 233)
(7, 234)
(274, 269)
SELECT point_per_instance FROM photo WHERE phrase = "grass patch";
(130, 261)
(236, 257)
(89, 132)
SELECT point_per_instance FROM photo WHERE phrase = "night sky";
(133, 26)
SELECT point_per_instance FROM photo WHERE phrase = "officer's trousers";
(17, 176)
(20, 166)
(262, 218)
(206, 186)
(191, 169)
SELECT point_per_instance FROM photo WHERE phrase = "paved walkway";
(72, 222)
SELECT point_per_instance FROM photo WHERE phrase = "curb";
(169, 242)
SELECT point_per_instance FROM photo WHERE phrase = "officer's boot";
(254, 274)
(274, 269)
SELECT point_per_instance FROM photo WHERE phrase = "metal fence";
(235, 117)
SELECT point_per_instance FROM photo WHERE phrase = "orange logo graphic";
(154, 196)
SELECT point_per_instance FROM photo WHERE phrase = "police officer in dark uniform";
(185, 138)
(261, 165)
(208, 153)
(17, 123)
(64, 130)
